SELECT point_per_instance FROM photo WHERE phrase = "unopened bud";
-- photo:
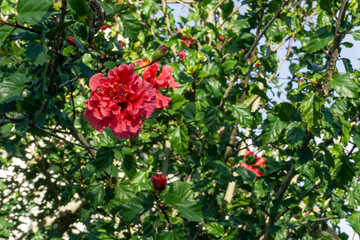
(71, 40)
(159, 53)
(159, 181)
(182, 55)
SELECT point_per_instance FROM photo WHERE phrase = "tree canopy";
(124, 120)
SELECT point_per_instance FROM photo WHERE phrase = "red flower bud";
(221, 38)
(71, 40)
(159, 181)
(163, 48)
(159, 53)
(182, 55)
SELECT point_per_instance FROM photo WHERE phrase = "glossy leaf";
(179, 138)
(344, 85)
(34, 11)
(12, 86)
(311, 110)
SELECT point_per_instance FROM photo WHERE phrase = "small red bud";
(221, 38)
(159, 53)
(163, 48)
(182, 55)
(71, 40)
(159, 181)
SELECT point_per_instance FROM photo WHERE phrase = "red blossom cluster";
(119, 101)
(187, 40)
(163, 80)
(260, 161)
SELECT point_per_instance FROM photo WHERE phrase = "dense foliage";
(246, 153)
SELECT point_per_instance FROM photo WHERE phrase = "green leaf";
(80, 7)
(272, 129)
(214, 87)
(354, 221)
(344, 172)
(295, 132)
(319, 40)
(356, 35)
(37, 53)
(12, 86)
(190, 210)
(68, 50)
(5, 32)
(124, 192)
(209, 70)
(311, 110)
(104, 158)
(129, 166)
(347, 65)
(179, 138)
(215, 228)
(212, 118)
(178, 101)
(326, 5)
(178, 192)
(176, 234)
(137, 206)
(344, 85)
(34, 11)
(109, 64)
(131, 25)
(241, 113)
(95, 193)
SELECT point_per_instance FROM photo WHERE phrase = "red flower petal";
(162, 101)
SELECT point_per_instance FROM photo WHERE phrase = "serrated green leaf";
(179, 191)
(295, 132)
(241, 113)
(34, 11)
(176, 234)
(215, 228)
(12, 86)
(354, 221)
(37, 53)
(190, 210)
(311, 110)
(344, 85)
(5, 32)
(356, 35)
(272, 129)
(124, 192)
(179, 138)
(129, 165)
(178, 101)
(131, 25)
(95, 193)
(326, 5)
(80, 7)
(319, 40)
(347, 65)
(104, 158)
(212, 118)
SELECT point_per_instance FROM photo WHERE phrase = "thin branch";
(257, 39)
(61, 138)
(16, 25)
(186, 5)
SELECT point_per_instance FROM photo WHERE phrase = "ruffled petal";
(95, 81)
(162, 101)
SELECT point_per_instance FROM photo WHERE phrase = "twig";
(277, 14)
(68, 82)
(16, 25)
(186, 5)
(61, 138)
(167, 21)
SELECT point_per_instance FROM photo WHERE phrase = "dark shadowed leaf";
(95, 193)
(12, 86)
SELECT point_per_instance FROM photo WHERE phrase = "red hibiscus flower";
(164, 80)
(260, 161)
(119, 101)
(159, 182)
